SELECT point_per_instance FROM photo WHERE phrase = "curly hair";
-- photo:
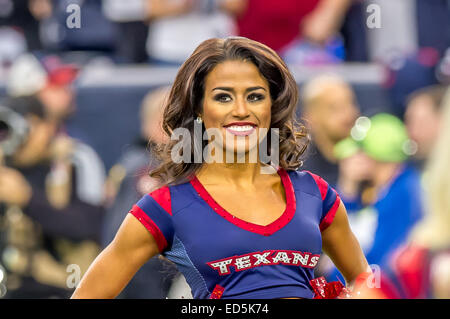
(185, 99)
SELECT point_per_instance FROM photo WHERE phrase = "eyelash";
(258, 97)
(220, 97)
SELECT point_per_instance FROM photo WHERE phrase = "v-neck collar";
(265, 230)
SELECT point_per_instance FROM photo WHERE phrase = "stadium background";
(384, 65)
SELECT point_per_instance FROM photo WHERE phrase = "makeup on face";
(237, 101)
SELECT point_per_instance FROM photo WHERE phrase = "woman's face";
(237, 103)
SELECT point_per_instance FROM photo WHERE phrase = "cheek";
(264, 115)
(212, 115)
(60, 98)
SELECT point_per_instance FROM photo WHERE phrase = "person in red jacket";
(278, 23)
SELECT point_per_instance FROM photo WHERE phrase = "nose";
(240, 108)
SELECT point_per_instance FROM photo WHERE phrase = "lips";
(241, 128)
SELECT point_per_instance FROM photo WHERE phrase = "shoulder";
(160, 196)
(83, 150)
(309, 182)
(89, 170)
(313, 184)
(85, 160)
(134, 158)
(407, 182)
(154, 211)
(412, 178)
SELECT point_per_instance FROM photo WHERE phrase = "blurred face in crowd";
(334, 111)
(358, 167)
(422, 123)
(58, 101)
(36, 147)
(237, 101)
(361, 164)
(152, 116)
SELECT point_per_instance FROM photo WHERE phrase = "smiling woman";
(232, 82)
(233, 229)
(237, 106)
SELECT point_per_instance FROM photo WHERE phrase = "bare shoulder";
(132, 235)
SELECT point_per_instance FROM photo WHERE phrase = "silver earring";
(199, 120)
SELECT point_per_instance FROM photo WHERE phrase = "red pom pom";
(328, 290)
(318, 286)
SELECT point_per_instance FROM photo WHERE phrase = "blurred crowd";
(60, 206)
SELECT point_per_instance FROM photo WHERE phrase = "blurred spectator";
(421, 268)
(19, 27)
(407, 26)
(353, 36)
(177, 27)
(132, 31)
(412, 39)
(47, 79)
(382, 193)
(298, 30)
(95, 34)
(409, 73)
(128, 181)
(46, 84)
(397, 34)
(423, 120)
(330, 109)
(24, 16)
(12, 44)
(62, 214)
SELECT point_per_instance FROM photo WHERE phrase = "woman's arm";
(325, 20)
(233, 7)
(163, 8)
(339, 243)
(111, 271)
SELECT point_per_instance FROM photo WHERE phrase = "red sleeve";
(155, 213)
(330, 201)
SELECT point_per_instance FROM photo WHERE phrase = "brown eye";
(254, 97)
(222, 98)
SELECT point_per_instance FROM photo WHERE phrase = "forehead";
(333, 94)
(341, 91)
(421, 103)
(235, 73)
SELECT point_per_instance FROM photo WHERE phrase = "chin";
(244, 150)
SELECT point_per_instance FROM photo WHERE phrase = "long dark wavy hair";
(185, 100)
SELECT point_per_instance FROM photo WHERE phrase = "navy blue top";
(222, 256)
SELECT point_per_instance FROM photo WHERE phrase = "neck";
(240, 174)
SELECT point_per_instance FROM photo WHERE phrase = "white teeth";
(240, 128)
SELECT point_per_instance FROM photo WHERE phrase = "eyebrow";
(229, 89)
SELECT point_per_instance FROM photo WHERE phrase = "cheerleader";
(239, 229)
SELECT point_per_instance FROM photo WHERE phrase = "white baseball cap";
(28, 75)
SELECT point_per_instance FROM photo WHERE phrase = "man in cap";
(64, 182)
(48, 79)
(381, 191)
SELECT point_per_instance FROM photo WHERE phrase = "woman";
(232, 229)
